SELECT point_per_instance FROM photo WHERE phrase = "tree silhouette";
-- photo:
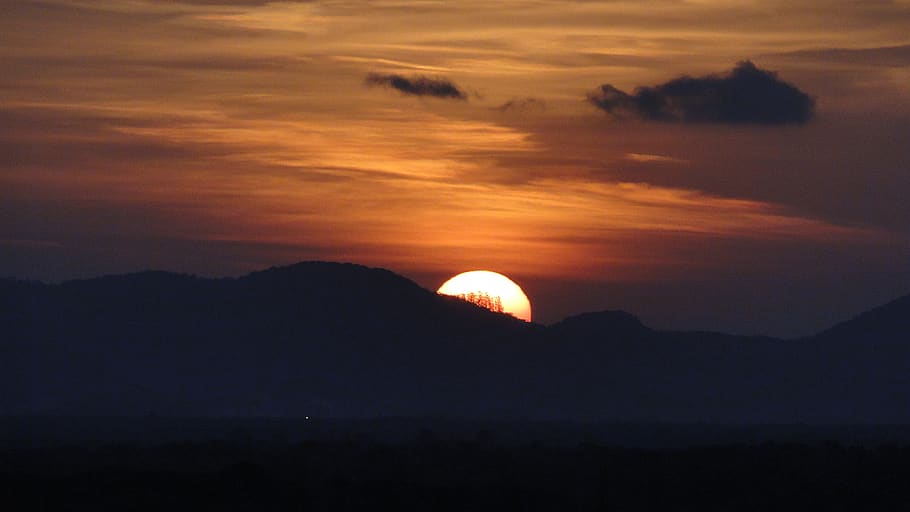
(483, 300)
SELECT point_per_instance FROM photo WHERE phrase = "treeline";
(429, 474)
(484, 300)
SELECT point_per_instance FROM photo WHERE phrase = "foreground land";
(432, 473)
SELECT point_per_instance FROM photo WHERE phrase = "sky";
(726, 165)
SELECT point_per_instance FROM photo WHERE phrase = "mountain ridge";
(345, 340)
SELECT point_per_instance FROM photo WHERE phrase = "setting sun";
(491, 290)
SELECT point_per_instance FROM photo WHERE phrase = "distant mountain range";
(342, 340)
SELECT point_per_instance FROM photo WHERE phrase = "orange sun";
(493, 291)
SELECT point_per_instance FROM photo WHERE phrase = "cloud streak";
(418, 85)
(523, 105)
(745, 95)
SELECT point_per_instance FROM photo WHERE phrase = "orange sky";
(219, 137)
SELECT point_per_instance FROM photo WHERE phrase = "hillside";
(343, 340)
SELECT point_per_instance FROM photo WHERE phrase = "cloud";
(523, 105)
(747, 94)
(253, 3)
(649, 158)
(888, 56)
(418, 85)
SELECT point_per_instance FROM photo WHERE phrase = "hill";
(341, 340)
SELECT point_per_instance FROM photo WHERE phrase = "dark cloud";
(747, 94)
(418, 85)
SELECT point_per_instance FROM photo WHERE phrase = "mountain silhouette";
(597, 324)
(343, 340)
(889, 323)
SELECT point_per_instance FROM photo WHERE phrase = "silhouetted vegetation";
(440, 475)
(483, 300)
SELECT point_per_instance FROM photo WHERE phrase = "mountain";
(343, 340)
(866, 362)
(312, 338)
(588, 325)
(885, 324)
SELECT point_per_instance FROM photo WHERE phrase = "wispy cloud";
(523, 105)
(892, 56)
(648, 158)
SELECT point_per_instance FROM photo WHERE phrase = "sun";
(491, 290)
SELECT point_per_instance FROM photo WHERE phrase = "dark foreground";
(433, 474)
